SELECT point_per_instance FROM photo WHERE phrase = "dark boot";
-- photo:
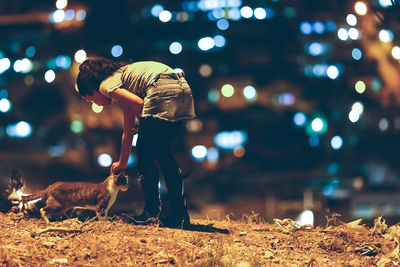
(149, 182)
(178, 217)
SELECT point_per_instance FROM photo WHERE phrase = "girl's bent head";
(92, 72)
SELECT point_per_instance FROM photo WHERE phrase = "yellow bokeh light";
(227, 90)
(360, 8)
(96, 108)
(360, 87)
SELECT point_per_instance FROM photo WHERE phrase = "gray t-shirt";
(166, 93)
(135, 77)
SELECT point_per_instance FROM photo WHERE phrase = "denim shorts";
(169, 98)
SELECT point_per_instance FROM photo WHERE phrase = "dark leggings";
(155, 143)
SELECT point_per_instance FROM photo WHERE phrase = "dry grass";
(250, 242)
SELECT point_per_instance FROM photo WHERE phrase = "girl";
(159, 98)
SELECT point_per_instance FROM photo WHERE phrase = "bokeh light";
(383, 124)
(117, 50)
(336, 142)
(57, 16)
(351, 19)
(4, 64)
(175, 48)
(223, 24)
(96, 108)
(156, 10)
(250, 93)
(356, 53)
(219, 41)
(396, 52)
(50, 76)
(80, 14)
(206, 43)
(354, 34)
(360, 8)
(360, 87)
(165, 16)
(227, 90)
(104, 160)
(332, 72)
(76, 126)
(299, 119)
(386, 36)
(343, 34)
(305, 27)
(260, 13)
(199, 152)
(60, 4)
(205, 70)
(80, 56)
(230, 140)
(212, 155)
(246, 12)
(239, 151)
(213, 96)
(5, 105)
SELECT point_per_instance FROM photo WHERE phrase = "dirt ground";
(249, 241)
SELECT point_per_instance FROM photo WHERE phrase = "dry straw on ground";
(245, 242)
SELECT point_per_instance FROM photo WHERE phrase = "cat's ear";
(122, 179)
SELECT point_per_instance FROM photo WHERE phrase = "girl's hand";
(117, 166)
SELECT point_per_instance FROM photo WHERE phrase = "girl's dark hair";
(92, 72)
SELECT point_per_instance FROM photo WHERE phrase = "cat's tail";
(34, 196)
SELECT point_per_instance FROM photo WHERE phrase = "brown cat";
(61, 197)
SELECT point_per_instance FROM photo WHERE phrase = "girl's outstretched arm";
(131, 107)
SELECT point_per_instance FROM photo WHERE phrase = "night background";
(297, 102)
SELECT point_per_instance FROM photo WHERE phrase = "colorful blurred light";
(313, 140)
(212, 155)
(69, 14)
(165, 16)
(305, 27)
(230, 140)
(354, 116)
(316, 49)
(175, 48)
(356, 54)
(386, 3)
(76, 126)
(332, 72)
(156, 10)
(351, 19)
(360, 87)
(117, 50)
(343, 34)
(205, 70)
(234, 14)
(5, 105)
(299, 119)
(104, 160)
(360, 8)
(250, 93)
(336, 142)
(219, 41)
(213, 96)
(30, 51)
(206, 43)
(227, 90)
(199, 152)
(57, 16)
(354, 34)
(260, 13)
(80, 56)
(223, 24)
(96, 108)
(239, 151)
(4, 64)
(246, 12)
(61, 4)
(80, 15)
(396, 52)
(386, 36)
(318, 27)
(383, 124)
(21, 129)
(50, 76)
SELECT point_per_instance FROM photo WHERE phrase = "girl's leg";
(149, 177)
(172, 176)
